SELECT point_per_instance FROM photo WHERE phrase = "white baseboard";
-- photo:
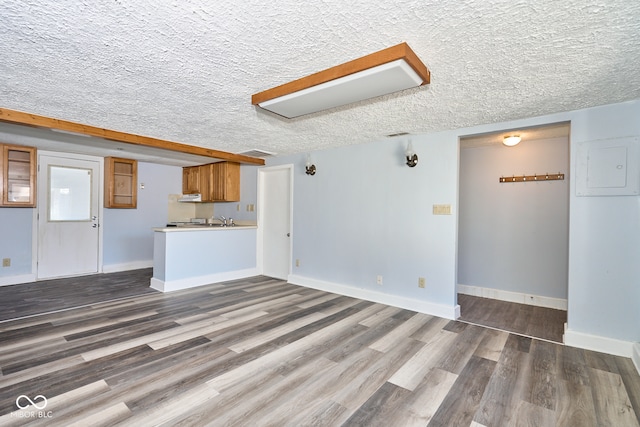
(440, 310)
(192, 282)
(599, 343)
(521, 298)
(16, 280)
(135, 265)
(635, 356)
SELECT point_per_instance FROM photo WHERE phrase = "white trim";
(635, 356)
(192, 282)
(518, 297)
(133, 265)
(440, 310)
(598, 343)
(16, 280)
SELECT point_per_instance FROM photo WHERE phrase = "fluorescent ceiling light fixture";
(380, 73)
(511, 140)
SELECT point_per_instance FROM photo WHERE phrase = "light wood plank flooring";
(261, 352)
(522, 319)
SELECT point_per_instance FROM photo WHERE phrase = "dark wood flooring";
(523, 319)
(45, 296)
(261, 352)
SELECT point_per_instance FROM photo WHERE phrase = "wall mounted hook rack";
(535, 178)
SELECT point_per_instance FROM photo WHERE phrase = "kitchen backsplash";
(184, 211)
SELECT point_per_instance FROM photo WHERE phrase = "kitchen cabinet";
(18, 176)
(216, 182)
(120, 183)
(191, 180)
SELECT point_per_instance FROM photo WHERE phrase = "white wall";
(515, 236)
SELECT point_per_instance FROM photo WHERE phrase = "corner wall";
(366, 214)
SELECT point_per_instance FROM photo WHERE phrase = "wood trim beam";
(27, 119)
(399, 51)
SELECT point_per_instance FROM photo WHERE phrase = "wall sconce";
(511, 140)
(310, 167)
(412, 157)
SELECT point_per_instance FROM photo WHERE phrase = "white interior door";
(274, 220)
(68, 216)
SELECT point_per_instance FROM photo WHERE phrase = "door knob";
(288, 234)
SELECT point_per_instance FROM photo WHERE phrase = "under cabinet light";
(380, 73)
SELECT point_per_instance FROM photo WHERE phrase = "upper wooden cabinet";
(191, 180)
(120, 183)
(18, 176)
(216, 182)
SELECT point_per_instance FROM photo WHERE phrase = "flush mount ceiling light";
(511, 140)
(380, 73)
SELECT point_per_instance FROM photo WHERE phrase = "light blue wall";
(15, 240)
(127, 234)
(365, 213)
(604, 259)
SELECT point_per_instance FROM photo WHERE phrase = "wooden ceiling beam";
(27, 119)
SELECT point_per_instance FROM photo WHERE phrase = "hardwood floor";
(261, 352)
(28, 299)
(522, 319)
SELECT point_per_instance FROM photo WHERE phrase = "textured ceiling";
(185, 70)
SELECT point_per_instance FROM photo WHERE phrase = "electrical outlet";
(297, 263)
(238, 207)
(379, 280)
(6, 262)
(421, 282)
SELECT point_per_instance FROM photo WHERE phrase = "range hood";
(190, 198)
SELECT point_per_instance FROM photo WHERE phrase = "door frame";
(42, 209)
(261, 206)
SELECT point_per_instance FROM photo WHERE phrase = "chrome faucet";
(224, 221)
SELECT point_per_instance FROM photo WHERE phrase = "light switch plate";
(442, 209)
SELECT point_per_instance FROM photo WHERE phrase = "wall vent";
(257, 153)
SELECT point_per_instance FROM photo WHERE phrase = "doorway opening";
(513, 231)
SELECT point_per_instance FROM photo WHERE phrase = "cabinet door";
(121, 183)
(206, 183)
(191, 180)
(18, 176)
(226, 182)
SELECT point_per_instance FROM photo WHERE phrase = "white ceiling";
(185, 71)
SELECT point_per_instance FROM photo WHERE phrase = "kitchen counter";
(194, 255)
(201, 227)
